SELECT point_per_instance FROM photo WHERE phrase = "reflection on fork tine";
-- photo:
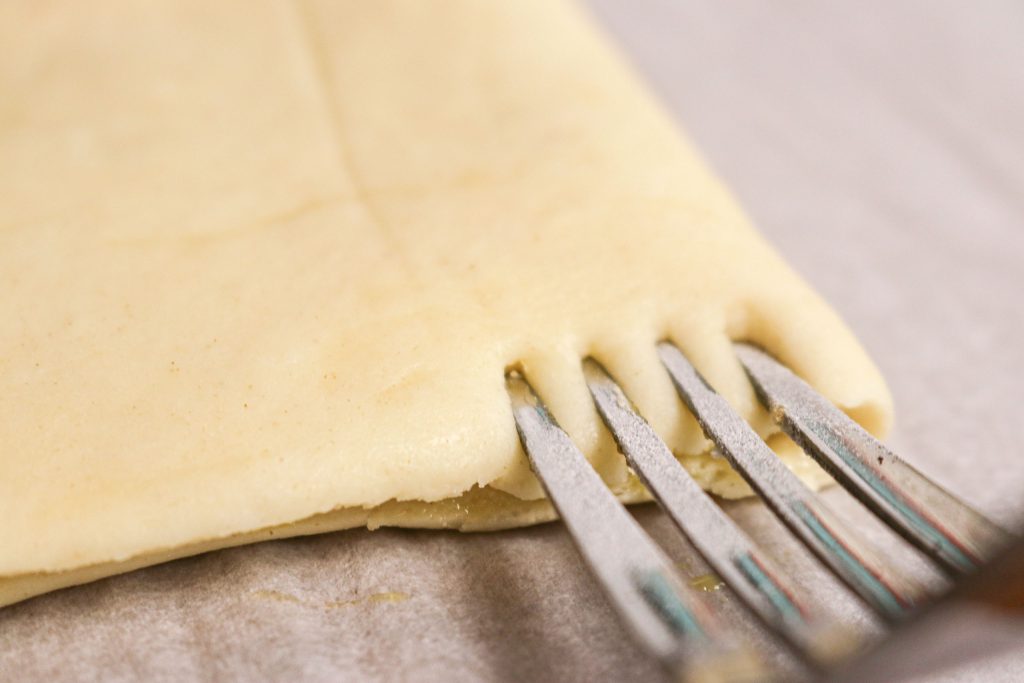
(666, 617)
(938, 523)
(835, 544)
(743, 567)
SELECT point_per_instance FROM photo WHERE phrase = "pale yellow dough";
(263, 266)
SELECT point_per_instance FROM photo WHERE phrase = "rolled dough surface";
(265, 264)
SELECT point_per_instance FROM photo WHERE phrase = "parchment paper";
(881, 147)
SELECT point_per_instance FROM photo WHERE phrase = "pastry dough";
(264, 265)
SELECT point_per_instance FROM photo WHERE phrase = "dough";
(264, 265)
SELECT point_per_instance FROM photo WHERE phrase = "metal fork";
(670, 620)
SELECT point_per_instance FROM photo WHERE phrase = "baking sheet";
(881, 147)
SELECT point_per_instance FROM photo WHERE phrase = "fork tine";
(667, 618)
(937, 522)
(743, 567)
(835, 544)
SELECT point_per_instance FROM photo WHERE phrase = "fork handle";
(982, 617)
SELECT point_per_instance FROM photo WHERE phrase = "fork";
(666, 617)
